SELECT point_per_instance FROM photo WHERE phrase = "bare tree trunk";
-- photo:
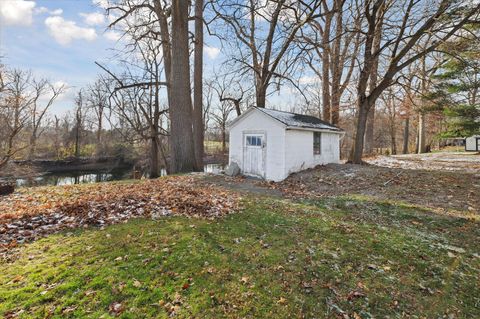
(77, 140)
(422, 147)
(166, 44)
(326, 107)
(181, 140)
(406, 135)
(154, 168)
(237, 107)
(357, 150)
(33, 144)
(99, 131)
(56, 142)
(163, 155)
(337, 68)
(78, 123)
(261, 96)
(198, 128)
(393, 139)
(224, 138)
(369, 133)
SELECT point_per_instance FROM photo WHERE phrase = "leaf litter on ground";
(33, 213)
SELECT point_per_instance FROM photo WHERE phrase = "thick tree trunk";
(406, 135)
(198, 132)
(166, 44)
(357, 150)
(163, 155)
(337, 65)
(326, 98)
(181, 133)
(335, 107)
(224, 138)
(237, 107)
(369, 132)
(77, 141)
(261, 96)
(33, 145)
(422, 147)
(154, 167)
(393, 139)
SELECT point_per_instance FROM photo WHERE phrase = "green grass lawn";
(275, 259)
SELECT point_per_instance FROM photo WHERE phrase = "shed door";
(253, 154)
(478, 144)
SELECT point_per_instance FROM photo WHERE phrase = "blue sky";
(61, 40)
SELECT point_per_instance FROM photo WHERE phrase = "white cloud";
(64, 31)
(18, 12)
(55, 12)
(94, 18)
(112, 35)
(212, 52)
(41, 10)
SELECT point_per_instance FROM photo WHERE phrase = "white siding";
(471, 143)
(286, 150)
(299, 150)
(257, 121)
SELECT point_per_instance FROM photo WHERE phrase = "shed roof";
(295, 120)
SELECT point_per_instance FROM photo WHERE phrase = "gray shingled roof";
(299, 120)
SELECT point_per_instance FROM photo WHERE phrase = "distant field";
(213, 147)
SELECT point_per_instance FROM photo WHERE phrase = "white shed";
(273, 144)
(472, 143)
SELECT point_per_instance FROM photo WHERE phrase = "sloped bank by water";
(79, 171)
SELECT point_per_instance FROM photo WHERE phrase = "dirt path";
(244, 185)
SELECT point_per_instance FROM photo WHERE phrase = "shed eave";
(312, 129)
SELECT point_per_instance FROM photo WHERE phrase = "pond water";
(85, 177)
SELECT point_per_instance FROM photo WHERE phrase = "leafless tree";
(406, 38)
(221, 115)
(16, 98)
(181, 142)
(167, 23)
(97, 99)
(230, 90)
(331, 45)
(42, 89)
(261, 37)
(198, 122)
(78, 127)
(135, 99)
(390, 103)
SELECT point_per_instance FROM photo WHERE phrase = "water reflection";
(86, 177)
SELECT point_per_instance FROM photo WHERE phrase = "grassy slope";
(275, 259)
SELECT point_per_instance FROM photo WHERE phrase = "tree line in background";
(384, 70)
